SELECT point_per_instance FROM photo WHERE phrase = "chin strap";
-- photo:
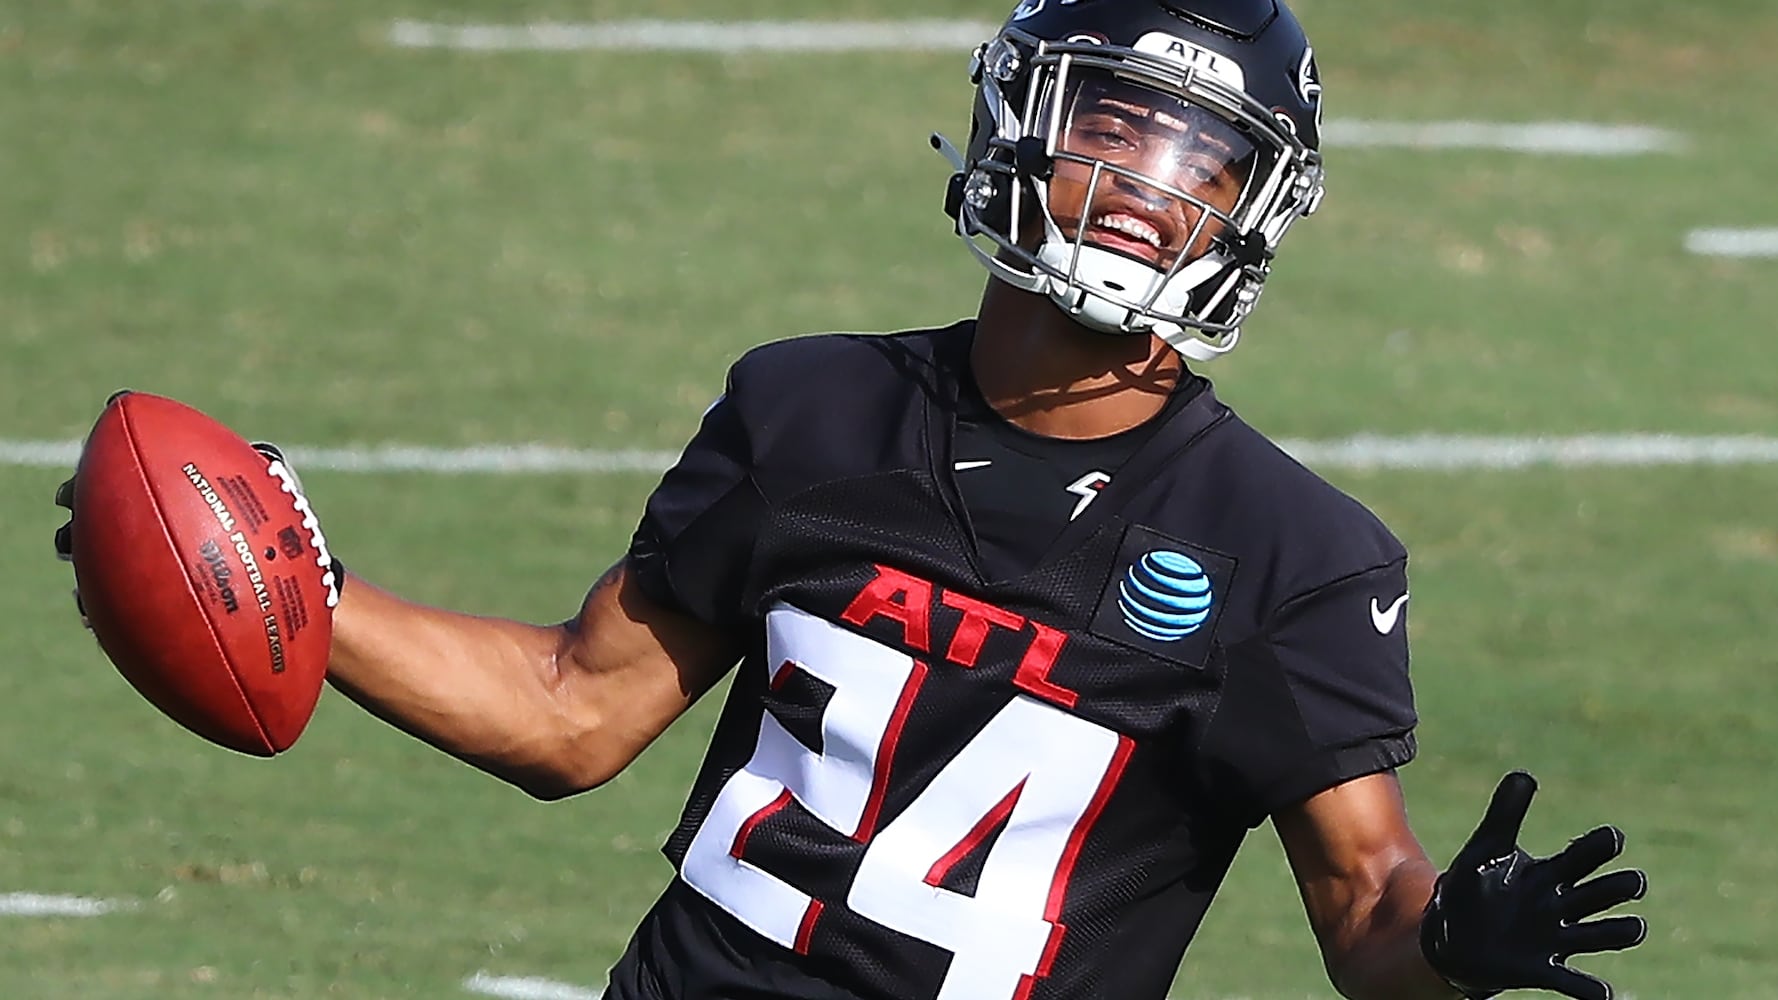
(1196, 348)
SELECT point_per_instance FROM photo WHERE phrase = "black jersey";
(931, 784)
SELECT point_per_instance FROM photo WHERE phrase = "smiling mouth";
(1127, 234)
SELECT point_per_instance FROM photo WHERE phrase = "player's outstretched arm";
(1390, 926)
(552, 709)
(1364, 880)
(1501, 919)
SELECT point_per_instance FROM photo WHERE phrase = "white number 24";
(1043, 773)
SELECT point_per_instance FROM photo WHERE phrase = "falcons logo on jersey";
(1086, 488)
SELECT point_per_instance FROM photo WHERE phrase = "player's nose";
(1150, 197)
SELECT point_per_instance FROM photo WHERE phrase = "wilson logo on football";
(1165, 596)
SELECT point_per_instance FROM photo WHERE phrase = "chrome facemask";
(1184, 120)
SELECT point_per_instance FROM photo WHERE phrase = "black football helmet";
(1139, 161)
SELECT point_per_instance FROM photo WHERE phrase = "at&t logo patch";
(1164, 597)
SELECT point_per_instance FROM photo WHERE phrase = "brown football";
(203, 573)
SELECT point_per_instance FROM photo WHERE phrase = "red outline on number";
(935, 875)
(879, 784)
(746, 829)
(806, 929)
(783, 673)
(1052, 911)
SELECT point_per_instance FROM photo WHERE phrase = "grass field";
(263, 208)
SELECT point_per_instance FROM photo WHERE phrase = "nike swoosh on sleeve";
(1384, 620)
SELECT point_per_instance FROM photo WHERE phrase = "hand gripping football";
(203, 573)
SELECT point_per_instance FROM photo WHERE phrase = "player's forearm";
(484, 690)
(1377, 956)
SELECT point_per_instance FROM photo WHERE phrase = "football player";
(1031, 628)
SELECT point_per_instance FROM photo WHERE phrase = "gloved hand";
(1501, 919)
(65, 533)
(65, 539)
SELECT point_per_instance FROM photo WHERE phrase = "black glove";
(65, 533)
(65, 539)
(1500, 919)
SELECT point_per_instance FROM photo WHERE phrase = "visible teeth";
(1131, 226)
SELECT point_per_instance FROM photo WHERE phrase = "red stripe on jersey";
(1050, 946)
(1027, 983)
(1052, 912)
(973, 839)
(806, 929)
(783, 673)
(879, 785)
(746, 830)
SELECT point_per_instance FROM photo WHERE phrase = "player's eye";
(1201, 171)
(1106, 133)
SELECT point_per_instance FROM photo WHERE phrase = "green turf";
(262, 209)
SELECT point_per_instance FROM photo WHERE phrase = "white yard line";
(1547, 138)
(1430, 452)
(769, 37)
(1732, 242)
(695, 36)
(1459, 452)
(513, 459)
(526, 988)
(31, 904)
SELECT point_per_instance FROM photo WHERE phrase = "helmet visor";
(1145, 172)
